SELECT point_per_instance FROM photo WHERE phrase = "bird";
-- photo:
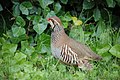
(68, 50)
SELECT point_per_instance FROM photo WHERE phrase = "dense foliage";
(25, 38)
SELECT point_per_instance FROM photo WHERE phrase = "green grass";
(102, 71)
(26, 62)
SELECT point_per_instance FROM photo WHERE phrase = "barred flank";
(68, 56)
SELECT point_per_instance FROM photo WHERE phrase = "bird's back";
(82, 50)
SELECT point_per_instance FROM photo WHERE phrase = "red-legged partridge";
(68, 50)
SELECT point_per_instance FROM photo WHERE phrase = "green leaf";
(31, 17)
(11, 48)
(20, 21)
(115, 50)
(16, 10)
(39, 11)
(105, 38)
(88, 5)
(50, 14)
(35, 10)
(103, 50)
(29, 50)
(14, 68)
(25, 6)
(39, 28)
(13, 39)
(45, 3)
(118, 2)
(57, 7)
(24, 10)
(96, 14)
(1, 7)
(64, 1)
(43, 43)
(18, 31)
(46, 11)
(110, 3)
(19, 56)
(28, 68)
(66, 17)
(65, 24)
(106, 56)
(24, 44)
(18, 39)
(36, 19)
(100, 28)
(34, 57)
(15, 2)
(77, 33)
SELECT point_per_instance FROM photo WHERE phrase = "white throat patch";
(51, 23)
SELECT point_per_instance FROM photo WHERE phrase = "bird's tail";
(97, 57)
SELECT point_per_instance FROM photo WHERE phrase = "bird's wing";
(82, 50)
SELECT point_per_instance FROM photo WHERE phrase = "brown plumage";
(68, 50)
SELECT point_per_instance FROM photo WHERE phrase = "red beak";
(48, 19)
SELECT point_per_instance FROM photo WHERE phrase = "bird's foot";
(85, 65)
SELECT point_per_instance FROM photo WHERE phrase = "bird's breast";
(56, 52)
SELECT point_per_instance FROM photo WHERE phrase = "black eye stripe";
(54, 22)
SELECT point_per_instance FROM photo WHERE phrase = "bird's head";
(53, 21)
